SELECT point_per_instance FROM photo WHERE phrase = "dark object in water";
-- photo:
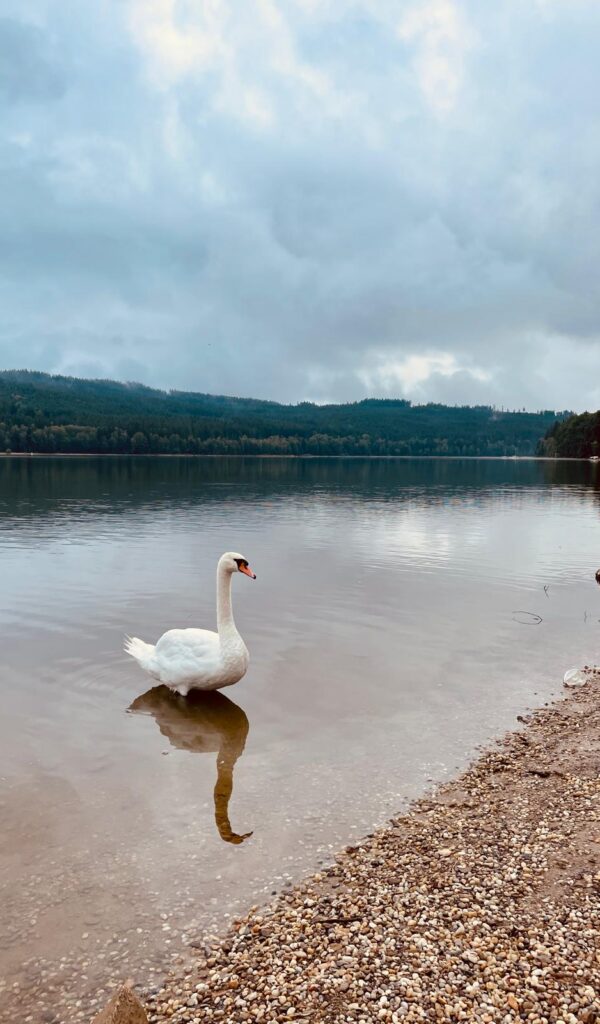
(527, 618)
(597, 575)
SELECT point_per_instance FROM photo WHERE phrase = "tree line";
(53, 414)
(577, 437)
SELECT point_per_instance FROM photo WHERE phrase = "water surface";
(391, 631)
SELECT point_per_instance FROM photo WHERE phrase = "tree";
(139, 443)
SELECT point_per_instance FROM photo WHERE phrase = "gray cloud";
(28, 69)
(311, 200)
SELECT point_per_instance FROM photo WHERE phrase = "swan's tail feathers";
(141, 651)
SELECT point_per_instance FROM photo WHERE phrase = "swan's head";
(232, 561)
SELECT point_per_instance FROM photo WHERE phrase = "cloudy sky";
(305, 199)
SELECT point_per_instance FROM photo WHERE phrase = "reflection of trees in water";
(102, 487)
(203, 722)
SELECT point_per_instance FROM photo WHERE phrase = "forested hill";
(43, 413)
(577, 437)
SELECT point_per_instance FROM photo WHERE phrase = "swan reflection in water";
(203, 722)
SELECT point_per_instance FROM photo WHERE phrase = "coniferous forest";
(577, 437)
(46, 414)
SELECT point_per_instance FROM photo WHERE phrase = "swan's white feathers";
(142, 652)
(177, 641)
(183, 655)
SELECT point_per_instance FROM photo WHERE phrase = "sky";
(305, 200)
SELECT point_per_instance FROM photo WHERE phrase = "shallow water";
(392, 629)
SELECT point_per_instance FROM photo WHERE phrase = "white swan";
(198, 659)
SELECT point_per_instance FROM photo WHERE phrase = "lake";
(405, 612)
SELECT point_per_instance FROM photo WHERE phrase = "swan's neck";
(225, 624)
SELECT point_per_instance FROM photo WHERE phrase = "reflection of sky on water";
(383, 647)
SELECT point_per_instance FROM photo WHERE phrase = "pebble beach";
(481, 903)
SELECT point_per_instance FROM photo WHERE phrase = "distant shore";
(302, 458)
(481, 903)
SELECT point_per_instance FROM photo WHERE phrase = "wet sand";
(480, 903)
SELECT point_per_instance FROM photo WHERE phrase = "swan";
(199, 659)
(202, 723)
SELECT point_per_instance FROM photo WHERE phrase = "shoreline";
(480, 902)
(264, 455)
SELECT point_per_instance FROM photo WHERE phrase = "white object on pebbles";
(575, 677)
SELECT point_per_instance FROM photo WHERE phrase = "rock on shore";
(123, 1008)
(480, 904)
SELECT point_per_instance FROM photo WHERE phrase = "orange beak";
(247, 571)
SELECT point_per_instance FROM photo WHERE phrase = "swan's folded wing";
(185, 653)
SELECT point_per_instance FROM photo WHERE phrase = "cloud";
(443, 37)
(305, 200)
(385, 376)
(28, 68)
(179, 38)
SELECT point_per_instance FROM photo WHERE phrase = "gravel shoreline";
(482, 903)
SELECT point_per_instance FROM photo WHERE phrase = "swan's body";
(199, 659)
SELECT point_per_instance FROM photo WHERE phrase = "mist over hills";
(44, 413)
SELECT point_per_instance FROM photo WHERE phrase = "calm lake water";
(390, 629)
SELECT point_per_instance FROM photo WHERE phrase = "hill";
(44, 413)
(576, 437)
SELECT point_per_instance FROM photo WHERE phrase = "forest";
(576, 437)
(45, 414)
